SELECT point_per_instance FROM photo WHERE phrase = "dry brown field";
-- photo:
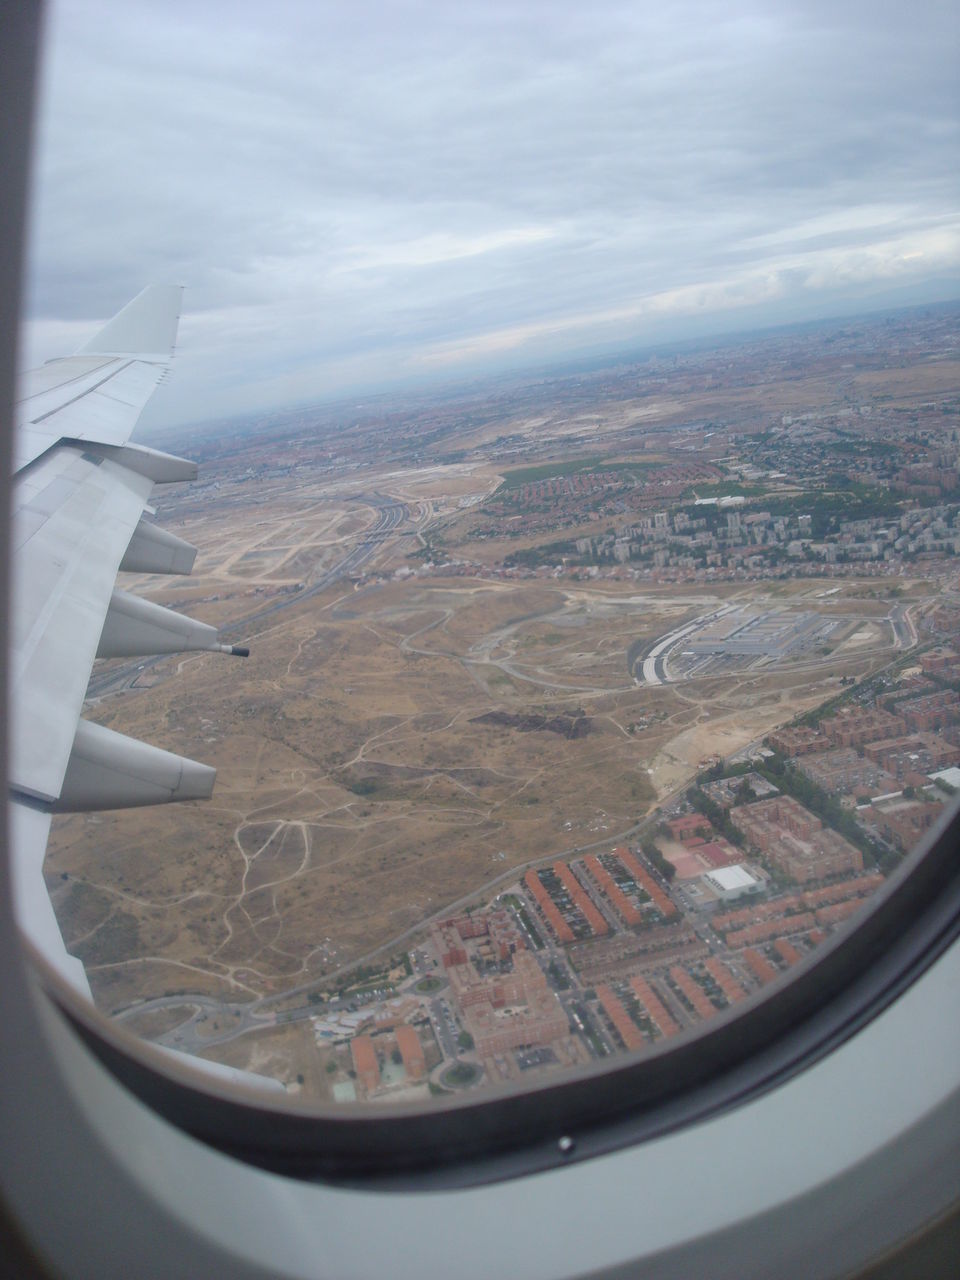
(358, 790)
(362, 785)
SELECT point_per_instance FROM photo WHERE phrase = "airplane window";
(575, 399)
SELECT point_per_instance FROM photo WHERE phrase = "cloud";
(439, 247)
(356, 193)
(883, 261)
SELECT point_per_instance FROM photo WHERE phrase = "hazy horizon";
(567, 365)
(364, 201)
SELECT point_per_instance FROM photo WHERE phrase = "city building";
(526, 1012)
(903, 823)
(411, 1050)
(365, 1063)
(795, 841)
(733, 882)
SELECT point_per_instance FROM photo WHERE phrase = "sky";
(368, 195)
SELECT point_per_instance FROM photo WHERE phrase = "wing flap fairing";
(108, 770)
(135, 627)
(152, 464)
(156, 550)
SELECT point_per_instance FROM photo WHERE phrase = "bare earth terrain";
(401, 738)
(360, 787)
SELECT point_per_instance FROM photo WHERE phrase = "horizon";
(407, 395)
(363, 202)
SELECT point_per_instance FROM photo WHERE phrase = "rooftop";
(735, 877)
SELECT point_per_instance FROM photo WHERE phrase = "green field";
(548, 471)
(517, 478)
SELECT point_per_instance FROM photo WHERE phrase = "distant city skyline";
(360, 200)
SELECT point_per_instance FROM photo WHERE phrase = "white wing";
(80, 493)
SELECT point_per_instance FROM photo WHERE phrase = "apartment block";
(531, 1016)
(626, 1028)
(411, 1050)
(795, 840)
(854, 726)
(919, 753)
(365, 1063)
(933, 711)
(797, 741)
(904, 824)
(844, 770)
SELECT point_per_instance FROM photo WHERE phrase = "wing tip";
(147, 325)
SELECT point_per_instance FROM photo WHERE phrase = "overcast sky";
(358, 195)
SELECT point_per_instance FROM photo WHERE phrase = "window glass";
(575, 395)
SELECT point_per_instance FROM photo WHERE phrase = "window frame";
(94, 1181)
(740, 1055)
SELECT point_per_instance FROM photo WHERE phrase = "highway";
(904, 630)
(390, 515)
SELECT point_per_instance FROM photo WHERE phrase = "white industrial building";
(732, 882)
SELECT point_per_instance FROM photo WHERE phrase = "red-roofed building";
(689, 825)
(408, 1042)
(719, 853)
(365, 1062)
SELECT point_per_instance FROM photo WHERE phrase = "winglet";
(145, 326)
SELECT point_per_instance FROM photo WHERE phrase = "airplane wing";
(79, 516)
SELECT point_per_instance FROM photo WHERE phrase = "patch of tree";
(873, 448)
(462, 1073)
(576, 724)
(363, 786)
(811, 719)
(532, 932)
(118, 938)
(718, 817)
(849, 501)
(656, 859)
(548, 553)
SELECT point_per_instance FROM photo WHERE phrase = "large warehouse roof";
(729, 879)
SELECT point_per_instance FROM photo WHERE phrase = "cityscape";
(582, 707)
(483, 699)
